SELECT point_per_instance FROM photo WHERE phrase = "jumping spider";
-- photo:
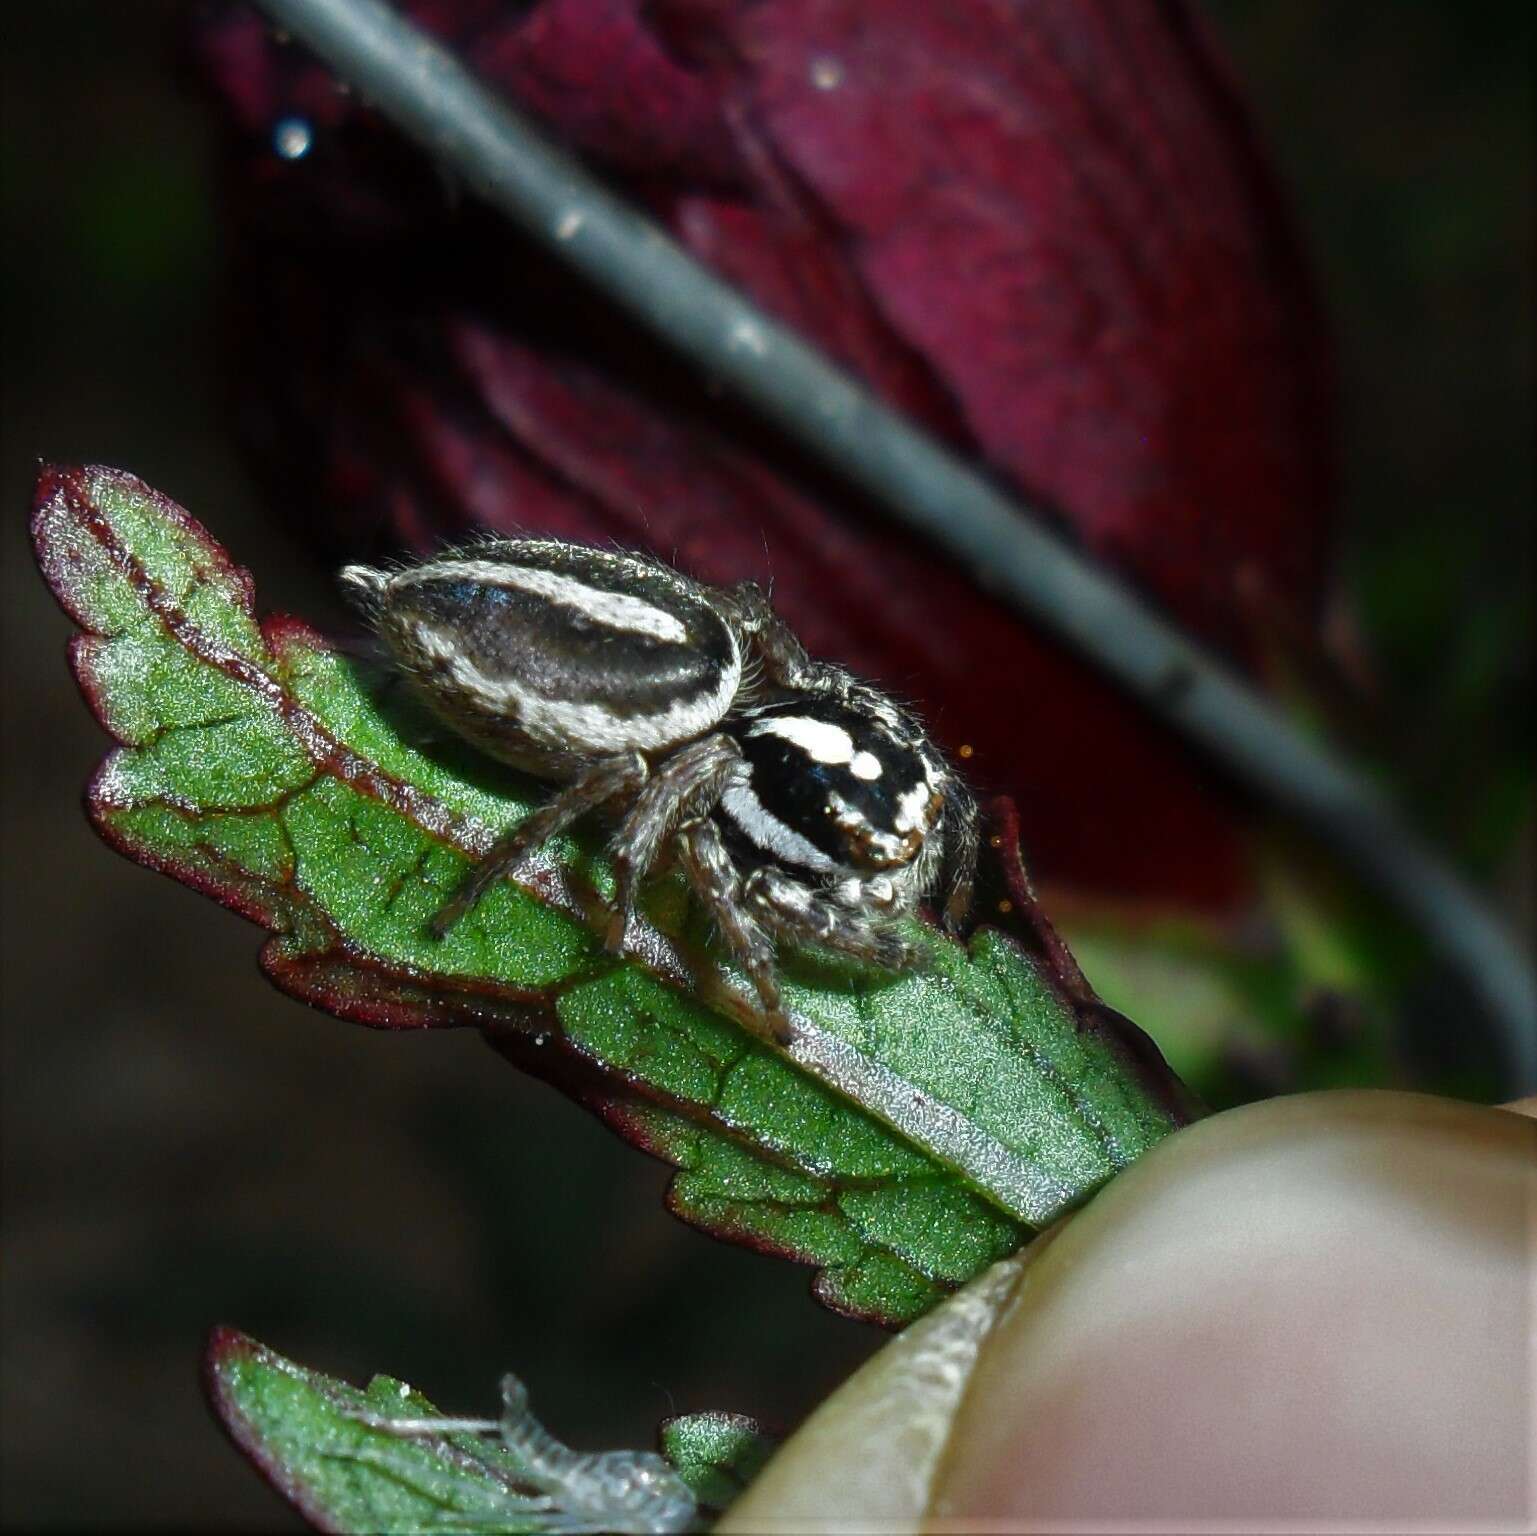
(802, 805)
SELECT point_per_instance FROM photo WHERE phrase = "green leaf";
(324, 1447)
(716, 1454)
(1315, 991)
(916, 1128)
(1234, 1017)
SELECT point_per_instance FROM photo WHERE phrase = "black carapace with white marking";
(803, 806)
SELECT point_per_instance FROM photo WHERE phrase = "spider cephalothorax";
(803, 805)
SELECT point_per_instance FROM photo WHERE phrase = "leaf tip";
(224, 1349)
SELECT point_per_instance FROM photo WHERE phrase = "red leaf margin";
(223, 1347)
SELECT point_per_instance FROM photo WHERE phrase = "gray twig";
(472, 132)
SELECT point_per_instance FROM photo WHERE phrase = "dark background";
(184, 1146)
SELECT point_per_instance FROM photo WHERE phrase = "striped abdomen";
(551, 655)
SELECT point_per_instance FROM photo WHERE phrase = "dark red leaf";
(1044, 232)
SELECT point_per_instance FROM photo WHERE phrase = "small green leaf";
(716, 1454)
(1314, 997)
(916, 1128)
(326, 1448)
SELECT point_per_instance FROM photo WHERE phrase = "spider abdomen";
(550, 656)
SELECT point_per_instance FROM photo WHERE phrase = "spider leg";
(784, 659)
(702, 853)
(959, 867)
(605, 780)
(801, 914)
(687, 784)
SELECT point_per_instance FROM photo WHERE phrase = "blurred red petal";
(1059, 208)
(594, 72)
(1043, 232)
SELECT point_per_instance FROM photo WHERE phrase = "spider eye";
(868, 847)
(897, 836)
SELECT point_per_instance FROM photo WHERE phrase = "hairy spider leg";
(687, 785)
(606, 780)
(785, 660)
(959, 866)
(801, 914)
(702, 853)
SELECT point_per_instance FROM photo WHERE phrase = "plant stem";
(472, 132)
